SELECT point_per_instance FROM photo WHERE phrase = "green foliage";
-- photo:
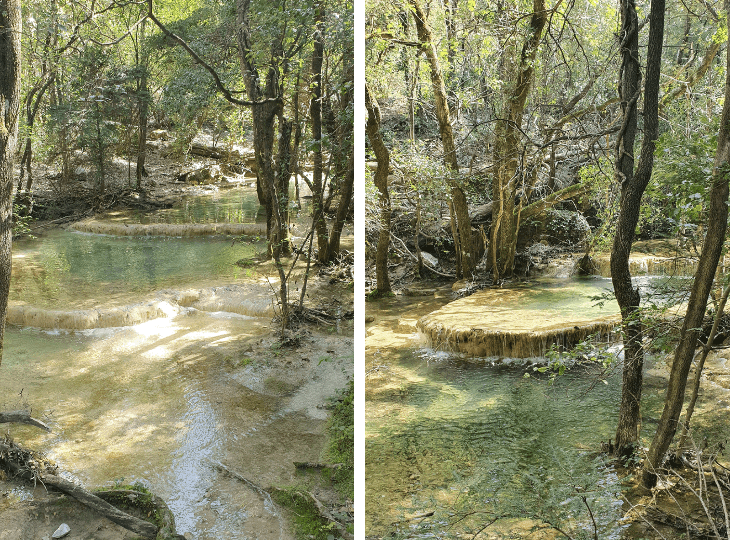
(341, 445)
(587, 351)
(679, 193)
(604, 198)
(21, 221)
(307, 521)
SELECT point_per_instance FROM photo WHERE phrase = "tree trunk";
(283, 174)
(10, 31)
(264, 113)
(382, 155)
(633, 184)
(343, 153)
(507, 150)
(707, 266)
(465, 252)
(143, 104)
(315, 113)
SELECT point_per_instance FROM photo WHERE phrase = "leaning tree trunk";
(707, 266)
(465, 252)
(633, 184)
(381, 182)
(506, 214)
(10, 30)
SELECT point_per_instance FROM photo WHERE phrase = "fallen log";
(21, 417)
(309, 465)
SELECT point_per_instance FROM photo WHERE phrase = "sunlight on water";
(476, 437)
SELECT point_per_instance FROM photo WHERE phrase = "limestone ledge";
(485, 343)
(167, 229)
(236, 300)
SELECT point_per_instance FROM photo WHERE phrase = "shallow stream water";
(473, 438)
(160, 402)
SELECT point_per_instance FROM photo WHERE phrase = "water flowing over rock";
(238, 300)
(165, 229)
(641, 264)
(519, 323)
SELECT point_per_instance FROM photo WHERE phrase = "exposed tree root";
(145, 500)
(31, 466)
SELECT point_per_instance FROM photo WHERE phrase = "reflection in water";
(65, 268)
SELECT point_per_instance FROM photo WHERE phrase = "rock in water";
(62, 531)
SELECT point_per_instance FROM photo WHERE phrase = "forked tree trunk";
(382, 155)
(343, 154)
(707, 266)
(10, 30)
(463, 243)
(264, 111)
(633, 184)
(507, 149)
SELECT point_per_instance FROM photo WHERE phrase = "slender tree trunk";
(633, 184)
(507, 150)
(343, 155)
(10, 31)
(382, 155)
(294, 163)
(706, 269)
(465, 252)
(283, 174)
(143, 107)
(315, 114)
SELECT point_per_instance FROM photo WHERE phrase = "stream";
(471, 439)
(143, 354)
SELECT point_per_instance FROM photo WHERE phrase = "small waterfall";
(241, 300)
(185, 230)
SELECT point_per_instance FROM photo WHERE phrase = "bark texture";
(10, 30)
(381, 182)
(704, 276)
(465, 251)
(265, 108)
(507, 151)
(633, 184)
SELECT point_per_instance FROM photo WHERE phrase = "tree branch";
(226, 93)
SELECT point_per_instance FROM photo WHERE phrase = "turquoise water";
(461, 441)
(456, 436)
(63, 268)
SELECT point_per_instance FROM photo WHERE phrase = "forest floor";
(308, 370)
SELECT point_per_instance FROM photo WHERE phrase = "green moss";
(307, 521)
(144, 502)
(377, 294)
(341, 446)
